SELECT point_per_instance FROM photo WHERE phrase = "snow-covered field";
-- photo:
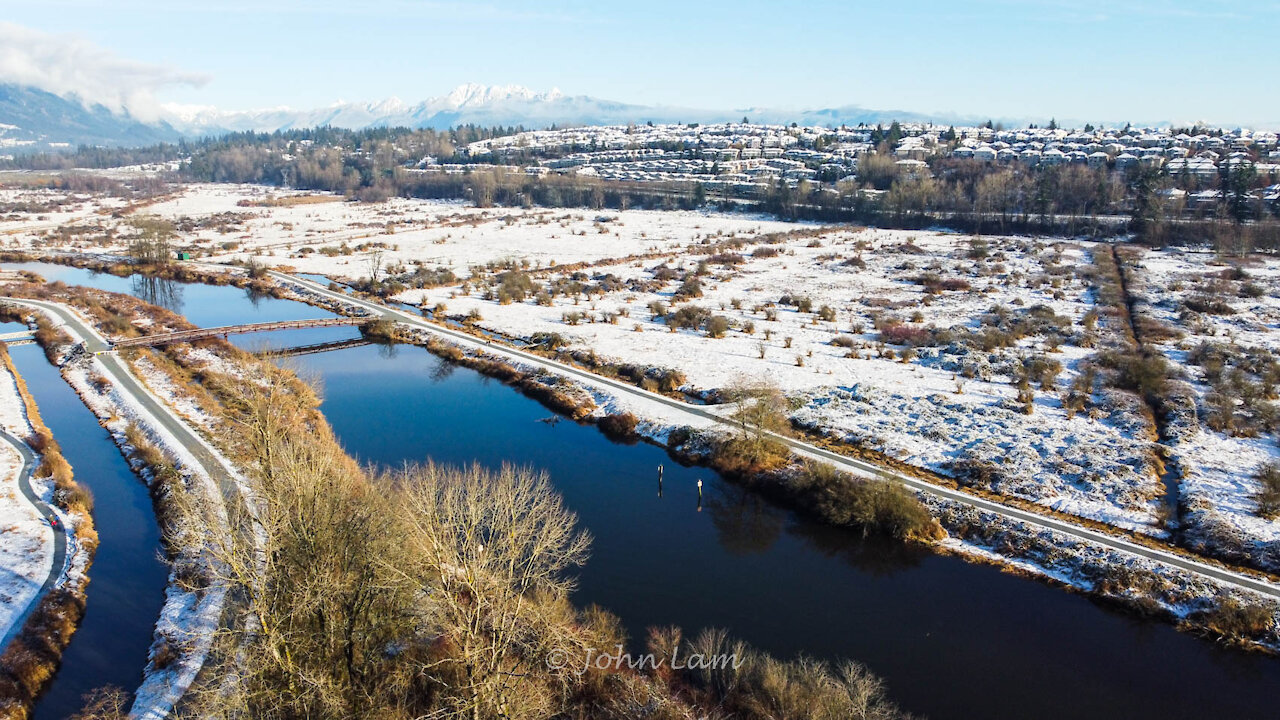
(826, 314)
(340, 239)
(1229, 315)
(46, 210)
(947, 405)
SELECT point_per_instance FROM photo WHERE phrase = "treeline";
(1072, 199)
(225, 154)
(968, 195)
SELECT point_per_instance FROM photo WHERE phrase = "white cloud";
(72, 65)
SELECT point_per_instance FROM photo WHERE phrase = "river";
(951, 638)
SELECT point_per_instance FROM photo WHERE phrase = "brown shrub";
(905, 335)
(877, 506)
(1237, 621)
(619, 426)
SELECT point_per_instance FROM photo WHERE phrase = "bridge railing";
(200, 333)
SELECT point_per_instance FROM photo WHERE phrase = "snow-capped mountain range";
(33, 119)
(470, 103)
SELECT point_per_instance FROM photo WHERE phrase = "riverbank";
(232, 378)
(412, 396)
(1143, 585)
(48, 565)
(168, 456)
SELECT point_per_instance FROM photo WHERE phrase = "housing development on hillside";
(742, 157)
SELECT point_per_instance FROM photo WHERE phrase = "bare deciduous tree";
(492, 548)
(151, 245)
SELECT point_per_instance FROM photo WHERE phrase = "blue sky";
(1143, 60)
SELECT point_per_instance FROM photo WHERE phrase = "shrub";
(1268, 495)
(1146, 374)
(1208, 304)
(1232, 619)
(549, 341)
(905, 335)
(717, 326)
(747, 455)
(165, 654)
(688, 317)
(827, 313)
(619, 426)
(870, 505)
(726, 259)
(671, 380)
(690, 288)
(514, 286)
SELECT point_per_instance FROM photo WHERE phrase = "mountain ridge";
(34, 119)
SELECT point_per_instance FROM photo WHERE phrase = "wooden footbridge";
(200, 333)
(314, 348)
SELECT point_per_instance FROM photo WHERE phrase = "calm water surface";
(126, 582)
(954, 640)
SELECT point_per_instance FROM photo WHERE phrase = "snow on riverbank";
(189, 618)
(26, 540)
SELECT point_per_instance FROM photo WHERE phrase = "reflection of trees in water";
(442, 370)
(387, 351)
(874, 554)
(746, 522)
(158, 291)
(255, 297)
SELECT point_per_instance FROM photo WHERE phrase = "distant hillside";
(511, 105)
(32, 119)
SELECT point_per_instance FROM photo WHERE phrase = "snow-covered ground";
(26, 540)
(44, 210)
(949, 407)
(946, 408)
(1217, 457)
(340, 239)
(946, 405)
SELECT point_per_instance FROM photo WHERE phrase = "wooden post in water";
(659, 480)
(699, 496)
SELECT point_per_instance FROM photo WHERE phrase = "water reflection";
(745, 522)
(255, 297)
(875, 555)
(157, 291)
(441, 371)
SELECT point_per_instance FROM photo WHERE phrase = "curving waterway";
(953, 639)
